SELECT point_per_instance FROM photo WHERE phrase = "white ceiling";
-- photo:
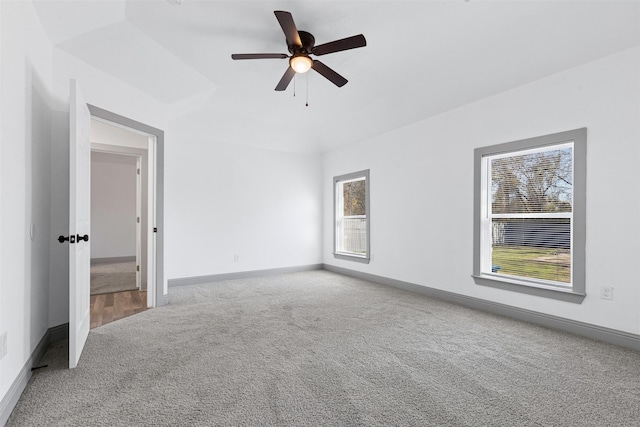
(422, 58)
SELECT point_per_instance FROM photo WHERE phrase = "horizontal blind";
(530, 212)
(537, 182)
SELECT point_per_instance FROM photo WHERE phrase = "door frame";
(138, 155)
(157, 287)
(139, 223)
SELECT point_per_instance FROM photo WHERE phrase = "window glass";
(529, 214)
(351, 196)
(529, 225)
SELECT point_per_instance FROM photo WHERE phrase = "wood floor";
(106, 308)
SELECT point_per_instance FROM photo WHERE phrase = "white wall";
(25, 174)
(113, 205)
(422, 188)
(223, 200)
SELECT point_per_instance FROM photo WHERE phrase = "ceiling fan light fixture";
(301, 63)
(301, 44)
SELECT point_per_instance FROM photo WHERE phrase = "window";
(351, 216)
(529, 225)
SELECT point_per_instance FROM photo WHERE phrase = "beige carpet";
(113, 277)
(320, 349)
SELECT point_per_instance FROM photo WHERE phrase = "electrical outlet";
(3, 345)
(606, 292)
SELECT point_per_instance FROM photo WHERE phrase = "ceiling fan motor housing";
(308, 41)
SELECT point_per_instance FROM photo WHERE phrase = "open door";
(79, 223)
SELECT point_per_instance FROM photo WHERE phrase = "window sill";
(351, 257)
(562, 294)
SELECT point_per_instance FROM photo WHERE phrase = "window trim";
(349, 177)
(576, 293)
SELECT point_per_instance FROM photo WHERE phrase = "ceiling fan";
(301, 45)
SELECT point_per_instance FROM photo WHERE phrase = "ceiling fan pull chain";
(294, 85)
(307, 104)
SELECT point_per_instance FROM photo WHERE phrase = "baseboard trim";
(198, 280)
(112, 260)
(9, 401)
(59, 333)
(600, 333)
(163, 300)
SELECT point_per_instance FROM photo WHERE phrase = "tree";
(354, 193)
(533, 183)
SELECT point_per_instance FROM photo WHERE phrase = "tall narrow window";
(351, 216)
(530, 208)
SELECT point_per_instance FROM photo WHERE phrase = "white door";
(79, 217)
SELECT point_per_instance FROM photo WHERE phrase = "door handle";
(71, 239)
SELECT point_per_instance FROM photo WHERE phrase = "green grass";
(539, 263)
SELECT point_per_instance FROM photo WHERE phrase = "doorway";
(119, 135)
(118, 281)
(80, 116)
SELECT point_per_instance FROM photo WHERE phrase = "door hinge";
(137, 268)
(155, 229)
(138, 171)
(138, 220)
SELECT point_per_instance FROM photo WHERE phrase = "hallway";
(106, 308)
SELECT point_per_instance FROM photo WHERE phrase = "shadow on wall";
(59, 186)
(38, 207)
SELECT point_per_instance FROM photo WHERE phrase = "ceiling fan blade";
(339, 45)
(259, 56)
(331, 75)
(286, 78)
(288, 27)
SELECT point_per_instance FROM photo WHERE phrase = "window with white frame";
(351, 216)
(530, 215)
